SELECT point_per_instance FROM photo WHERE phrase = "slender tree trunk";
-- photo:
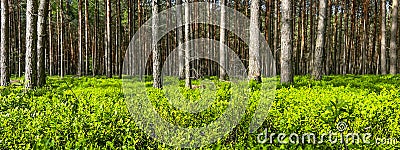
(51, 53)
(11, 34)
(108, 57)
(286, 51)
(30, 64)
(42, 33)
(118, 41)
(86, 38)
(267, 20)
(320, 43)
(61, 45)
(374, 48)
(80, 34)
(303, 38)
(133, 30)
(222, 52)
(209, 35)
(140, 18)
(128, 53)
(4, 46)
(365, 37)
(276, 36)
(311, 51)
(188, 83)
(299, 37)
(156, 50)
(351, 55)
(19, 40)
(383, 37)
(96, 45)
(179, 37)
(393, 44)
(335, 42)
(254, 45)
(327, 50)
(345, 35)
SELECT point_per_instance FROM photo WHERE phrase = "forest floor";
(92, 113)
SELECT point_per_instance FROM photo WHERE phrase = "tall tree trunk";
(365, 37)
(12, 37)
(312, 32)
(383, 38)
(30, 63)
(108, 57)
(41, 40)
(188, 83)
(179, 37)
(336, 43)
(4, 46)
(286, 51)
(276, 36)
(19, 40)
(320, 43)
(61, 44)
(267, 19)
(299, 37)
(118, 41)
(156, 50)
(222, 52)
(254, 45)
(51, 53)
(393, 39)
(345, 35)
(80, 46)
(96, 45)
(86, 38)
(303, 39)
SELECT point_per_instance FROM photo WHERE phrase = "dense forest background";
(90, 37)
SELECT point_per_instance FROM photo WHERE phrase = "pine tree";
(254, 50)
(320, 43)
(286, 36)
(4, 46)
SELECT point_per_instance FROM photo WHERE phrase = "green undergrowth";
(76, 113)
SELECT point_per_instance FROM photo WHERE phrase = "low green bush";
(76, 113)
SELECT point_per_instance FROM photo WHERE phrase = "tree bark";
(222, 52)
(179, 37)
(61, 44)
(286, 43)
(86, 38)
(80, 34)
(188, 83)
(383, 37)
(95, 49)
(365, 37)
(41, 40)
(276, 36)
(118, 41)
(19, 40)
(51, 53)
(254, 45)
(393, 44)
(4, 46)
(156, 50)
(320, 43)
(108, 57)
(303, 48)
(30, 61)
